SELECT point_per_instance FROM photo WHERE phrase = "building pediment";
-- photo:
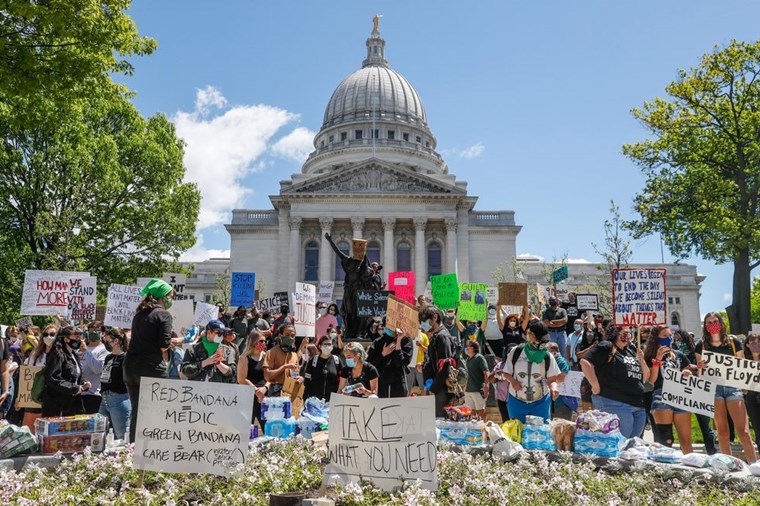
(373, 178)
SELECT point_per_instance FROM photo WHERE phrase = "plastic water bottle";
(109, 438)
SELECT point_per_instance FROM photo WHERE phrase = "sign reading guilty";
(385, 441)
(192, 426)
(639, 296)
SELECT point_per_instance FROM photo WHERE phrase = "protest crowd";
(547, 375)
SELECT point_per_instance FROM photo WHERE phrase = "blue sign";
(243, 289)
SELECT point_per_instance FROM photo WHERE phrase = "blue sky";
(529, 101)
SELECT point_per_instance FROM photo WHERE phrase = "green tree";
(702, 167)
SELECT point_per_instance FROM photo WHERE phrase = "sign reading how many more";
(385, 441)
(472, 301)
(82, 299)
(192, 426)
(121, 305)
(691, 393)
(305, 309)
(47, 292)
(243, 288)
(371, 303)
(402, 285)
(731, 371)
(445, 291)
(638, 296)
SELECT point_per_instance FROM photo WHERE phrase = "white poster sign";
(270, 304)
(326, 289)
(178, 282)
(305, 309)
(182, 313)
(385, 441)
(492, 294)
(121, 305)
(587, 301)
(47, 292)
(692, 393)
(638, 296)
(192, 426)
(731, 371)
(204, 313)
(571, 387)
(83, 293)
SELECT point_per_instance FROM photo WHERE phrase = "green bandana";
(209, 346)
(534, 355)
(158, 288)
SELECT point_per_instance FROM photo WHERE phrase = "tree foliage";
(702, 166)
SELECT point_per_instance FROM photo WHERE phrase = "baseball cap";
(216, 325)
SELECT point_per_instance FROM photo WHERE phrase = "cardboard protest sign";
(731, 371)
(402, 285)
(121, 305)
(638, 296)
(371, 303)
(358, 249)
(445, 291)
(492, 294)
(47, 292)
(385, 441)
(472, 301)
(587, 301)
(82, 299)
(23, 323)
(182, 314)
(242, 288)
(513, 294)
(402, 315)
(178, 282)
(305, 309)
(325, 292)
(270, 304)
(192, 426)
(204, 313)
(692, 393)
(571, 386)
(25, 381)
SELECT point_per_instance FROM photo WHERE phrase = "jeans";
(632, 418)
(8, 402)
(118, 409)
(518, 409)
(559, 337)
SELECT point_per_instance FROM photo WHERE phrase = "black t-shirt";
(677, 360)
(321, 377)
(620, 377)
(255, 371)
(723, 349)
(512, 335)
(151, 331)
(368, 373)
(550, 314)
(112, 374)
(572, 315)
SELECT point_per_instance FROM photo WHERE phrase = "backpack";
(38, 386)
(336, 360)
(516, 356)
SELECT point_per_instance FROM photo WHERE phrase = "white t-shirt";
(492, 332)
(531, 376)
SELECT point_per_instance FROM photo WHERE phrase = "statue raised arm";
(338, 252)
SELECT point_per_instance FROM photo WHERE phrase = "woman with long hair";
(729, 401)
(63, 377)
(115, 399)
(38, 357)
(251, 373)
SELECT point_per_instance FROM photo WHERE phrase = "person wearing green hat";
(151, 336)
(210, 359)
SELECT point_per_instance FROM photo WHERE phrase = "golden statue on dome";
(376, 22)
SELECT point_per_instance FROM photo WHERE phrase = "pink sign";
(323, 322)
(402, 285)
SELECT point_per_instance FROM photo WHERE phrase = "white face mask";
(512, 324)
(218, 338)
(322, 311)
(48, 340)
(326, 349)
(305, 356)
(333, 335)
(491, 313)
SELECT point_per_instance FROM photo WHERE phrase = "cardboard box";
(72, 443)
(292, 388)
(79, 424)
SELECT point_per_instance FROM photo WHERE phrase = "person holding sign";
(358, 378)
(210, 359)
(390, 354)
(616, 372)
(659, 354)
(150, 340)
(729, 401)
(63, 377)
(250, 371)
(751, 397)
(38, 358)
(440, 357)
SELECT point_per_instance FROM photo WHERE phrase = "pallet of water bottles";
(281, 422)
(71, 434)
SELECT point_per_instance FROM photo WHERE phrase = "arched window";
(404, 256)
(340, 274)
(311, 262)
(373, 251)
(675, 320)
(434, 259)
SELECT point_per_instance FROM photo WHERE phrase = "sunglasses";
(49, 334)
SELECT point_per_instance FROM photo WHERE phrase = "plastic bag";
(695, 460)
(513, 430)
(504, 449)
(755, 468)
(597, 421)
(665, 454)
(725, 463)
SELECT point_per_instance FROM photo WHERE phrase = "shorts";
(724, 393)
(659, 405)
(474, 400)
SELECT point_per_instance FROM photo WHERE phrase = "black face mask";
(75, 344)
(108, 346)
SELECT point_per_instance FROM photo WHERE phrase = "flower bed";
(296, 465)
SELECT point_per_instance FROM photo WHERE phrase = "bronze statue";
(376, 22)
(357, 272)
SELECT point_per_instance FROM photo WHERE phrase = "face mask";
(209, 346)
(287, 343)
(75, 344)
(350, 362)
(512, 324)
(260, 346)
(322, 311)
(108, 346)
(754, 347)
(388, 332)
(332, 312)
(333, 335)
(271, 321)
(471, 329)
(326, 349)
(577, 327)
(534, 354)
(425, 326)
(491, 313)
(218, 338)
(664, 341)
(304, 356)
(713, 328)
(48, 340)
(168, 303)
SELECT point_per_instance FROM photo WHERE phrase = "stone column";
(357, 223)
(325, 251)
(463, 245)
(451, 244)
(389, 257)
(420, 252)
(295, 251)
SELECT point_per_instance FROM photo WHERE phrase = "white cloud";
(199, 252)
(530, 256)
(578, 261)
(727, 297)
(221, 149)
(296, 145)
(473, 151)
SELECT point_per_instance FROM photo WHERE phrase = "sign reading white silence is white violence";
(731, 371)
(691, 393)
(192, 426)
(385, 441)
